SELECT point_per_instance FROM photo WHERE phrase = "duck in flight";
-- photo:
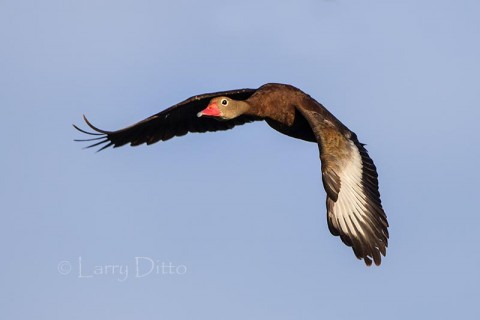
(354, 209)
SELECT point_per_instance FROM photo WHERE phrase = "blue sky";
(241, 212)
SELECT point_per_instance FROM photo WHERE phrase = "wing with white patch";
(354, 209)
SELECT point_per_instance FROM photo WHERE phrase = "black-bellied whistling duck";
(354, 209)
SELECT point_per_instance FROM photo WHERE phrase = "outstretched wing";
(354, 208)
(177, 120)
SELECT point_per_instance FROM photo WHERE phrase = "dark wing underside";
(177, 120)
(354, 208)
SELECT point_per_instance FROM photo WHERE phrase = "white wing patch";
(350, 205)
(351, 214)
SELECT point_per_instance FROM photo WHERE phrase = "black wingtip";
(101, 135)
(91, 139)
(99, 132)
(87, 132)
(93, 127)
(105, 140)
(105, 146)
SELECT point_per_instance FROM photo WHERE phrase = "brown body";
(354, 210)
(276, 103)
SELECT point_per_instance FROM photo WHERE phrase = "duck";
(353, 206)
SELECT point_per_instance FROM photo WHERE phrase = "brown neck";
(276, 102)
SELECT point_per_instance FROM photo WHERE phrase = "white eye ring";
(224, 102)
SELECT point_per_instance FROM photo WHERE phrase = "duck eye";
(224, 102)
